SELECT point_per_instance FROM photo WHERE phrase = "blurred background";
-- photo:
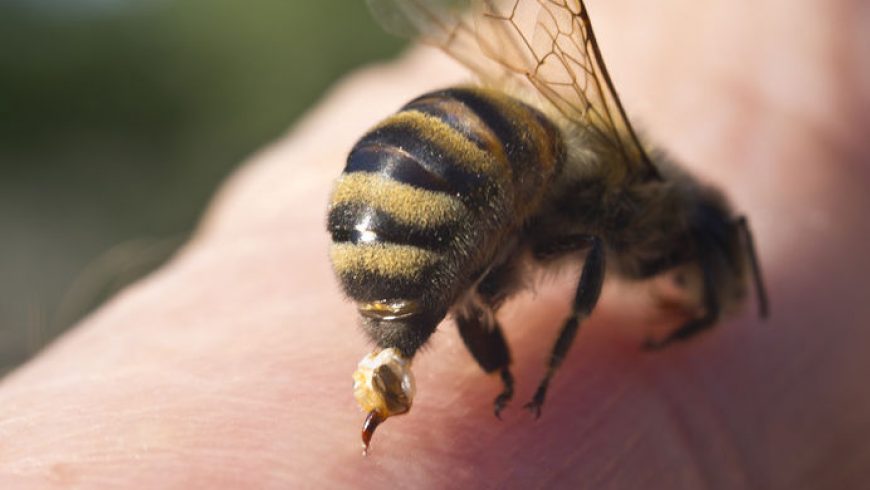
(119, 118)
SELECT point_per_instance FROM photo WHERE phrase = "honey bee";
(444, 205)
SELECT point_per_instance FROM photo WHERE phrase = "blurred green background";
(118, 119)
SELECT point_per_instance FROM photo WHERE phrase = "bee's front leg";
(709, 316)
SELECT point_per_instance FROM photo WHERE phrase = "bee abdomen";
(389, 237)
(431, 185)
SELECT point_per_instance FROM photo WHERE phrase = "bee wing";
(444, 24)
(548, 44)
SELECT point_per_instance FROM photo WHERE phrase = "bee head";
(726, 249)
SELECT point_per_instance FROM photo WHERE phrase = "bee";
(444, 206)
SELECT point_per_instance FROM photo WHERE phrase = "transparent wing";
(546, 43)
(446, 24)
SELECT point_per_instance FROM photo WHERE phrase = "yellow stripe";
(462, 150)
(383, 259)
(405, 203)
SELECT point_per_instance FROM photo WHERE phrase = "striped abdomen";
(429, 194)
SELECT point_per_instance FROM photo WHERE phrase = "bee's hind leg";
(480, 330)
(585, 299)
(483, 337)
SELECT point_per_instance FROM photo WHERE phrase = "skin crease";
(230, 367)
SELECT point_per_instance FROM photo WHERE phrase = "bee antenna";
(760, 290)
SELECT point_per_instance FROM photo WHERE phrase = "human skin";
(230, 367)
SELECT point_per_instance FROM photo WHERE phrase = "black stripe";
(344, 219)
(370, 286)
(395, 164)
(488, 110)
(438, 161)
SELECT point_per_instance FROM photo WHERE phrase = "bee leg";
(585, 299)
(696, 325)
(483, 337)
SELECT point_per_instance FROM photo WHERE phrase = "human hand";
(231, 366)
